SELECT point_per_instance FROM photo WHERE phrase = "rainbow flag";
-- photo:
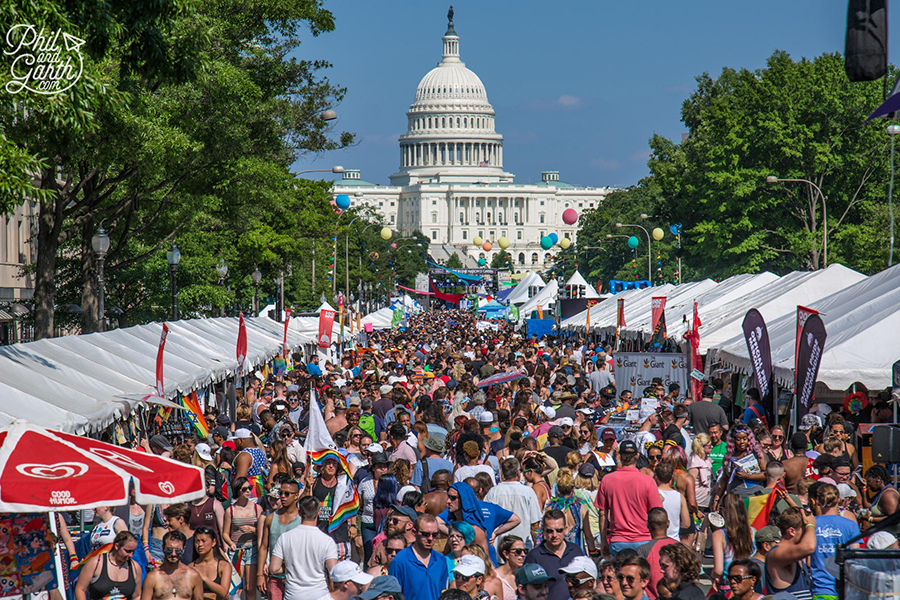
(195, 414)
(320, 456)
(259, 488)
(101, 550)
(346, 499)
(237, 560)
(280, 366)
(759, 507)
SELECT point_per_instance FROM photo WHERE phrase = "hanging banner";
(895, 380)
(757, 337)
(658, 306)
(326, 327)
(620, 312)
(287, 319)
(29, 555)
(809, 357)
(159, 361)
(636, 370)
(241, 349)
(803, 314)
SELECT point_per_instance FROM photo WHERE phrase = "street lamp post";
(100, 245)
(256, 276)
(173, 257)
(222, 271)
(279, 299)
(892, 130)
(334, 169)
(773, 179)
(649, 266)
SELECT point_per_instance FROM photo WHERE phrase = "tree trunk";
(45, 266)
(90, 289)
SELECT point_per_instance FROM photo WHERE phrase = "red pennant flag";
(241, 344)
(326, 328)
(620, 311)
(658, 304)
(159, 361)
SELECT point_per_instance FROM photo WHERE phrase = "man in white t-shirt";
(519, 499)
(304, 555)
(349, 581)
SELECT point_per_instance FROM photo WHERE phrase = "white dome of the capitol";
(450, 132)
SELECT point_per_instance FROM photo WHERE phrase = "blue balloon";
(342, 201)
(555, 238)
(633, 242)
(481, 262)
(546, 242)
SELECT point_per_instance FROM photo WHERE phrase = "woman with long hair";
(744, 462)
(511, 551)
(354, 437)
(779, 451)
(280, 462)
(533, 472)
(587, 482)
(385, 495)
(214, 569)
(733, 541)
(700, 469)
(239, 531)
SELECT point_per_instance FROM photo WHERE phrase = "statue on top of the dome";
(450, 16)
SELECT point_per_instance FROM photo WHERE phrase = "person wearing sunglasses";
(469, 577)
(512, 552)
(393, 544)
(554, 551)
(742, 576)
(421, 571)
(633, 577)
(580, 575)
(173, 580)
(285, 518)
(301, 556)
(239, 530)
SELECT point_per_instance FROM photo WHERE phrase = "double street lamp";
(773, 179)
(644, 229)
(173, 257)
(100, 245)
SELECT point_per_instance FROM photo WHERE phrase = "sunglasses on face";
(777, 437)
(175, 551)
(739, 577)
(654, 457)
(285, 493)
(246, 489)
(558, 530)
(449, 497)
(427, 534)
(575, 581)
(392, 550)
(517, 551)
(627, 578)
(465, 578)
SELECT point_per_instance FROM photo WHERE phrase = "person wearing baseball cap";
(384, 587)
(624, 499)
(532, 582)
(469, 574)
(349, 581)
(580, 574)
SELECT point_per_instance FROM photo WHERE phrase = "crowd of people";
(393, 473)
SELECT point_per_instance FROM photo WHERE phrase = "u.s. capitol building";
(451, 185)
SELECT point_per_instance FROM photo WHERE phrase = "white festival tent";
(380, 319)
(603, 315)
(680, 303)
(308, 327)
(546, 297)
(577, 280)
(862, 322)
(723, 322)
(519, 295)
(83, 383)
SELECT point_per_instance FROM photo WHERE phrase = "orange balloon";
(486, 246)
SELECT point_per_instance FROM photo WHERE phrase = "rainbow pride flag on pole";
(101, 550)
(280, 366)
(195, 414)
(760, 507)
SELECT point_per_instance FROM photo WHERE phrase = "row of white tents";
(861, 316)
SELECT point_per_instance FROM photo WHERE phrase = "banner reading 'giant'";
(636, 370)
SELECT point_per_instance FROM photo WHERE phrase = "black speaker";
(886, 444)
(866, 46)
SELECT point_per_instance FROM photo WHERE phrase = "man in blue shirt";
(554, 552)
(831, 529)
(313, 367)
(421, 571)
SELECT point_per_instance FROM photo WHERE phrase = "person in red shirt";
(657, 523)
(624, 499)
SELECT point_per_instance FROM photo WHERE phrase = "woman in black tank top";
(113, 575)
(214, 569)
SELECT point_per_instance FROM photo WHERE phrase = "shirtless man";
(436, 501)
(173, 580)
(795, 468)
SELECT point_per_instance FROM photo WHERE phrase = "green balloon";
(633, 242)
(546, 242)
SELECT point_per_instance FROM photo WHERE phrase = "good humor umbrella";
(500, 378)
(43, 470)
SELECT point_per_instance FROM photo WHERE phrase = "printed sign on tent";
(326, 326)
(636, 370)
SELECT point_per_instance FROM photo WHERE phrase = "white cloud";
(569, 101)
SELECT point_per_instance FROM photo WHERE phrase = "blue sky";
(578, 86)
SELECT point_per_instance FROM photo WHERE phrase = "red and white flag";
(658, 305)
(159, 361)
(326, 327)
(241, 350)
(620, 312)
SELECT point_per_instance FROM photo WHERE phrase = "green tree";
(793, 119)
(503, 260)
(454, 262)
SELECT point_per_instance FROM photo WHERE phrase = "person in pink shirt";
(624, 499)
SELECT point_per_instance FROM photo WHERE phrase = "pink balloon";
(570, 216)
(394, 245)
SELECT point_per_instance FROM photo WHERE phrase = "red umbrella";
(42, 470)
